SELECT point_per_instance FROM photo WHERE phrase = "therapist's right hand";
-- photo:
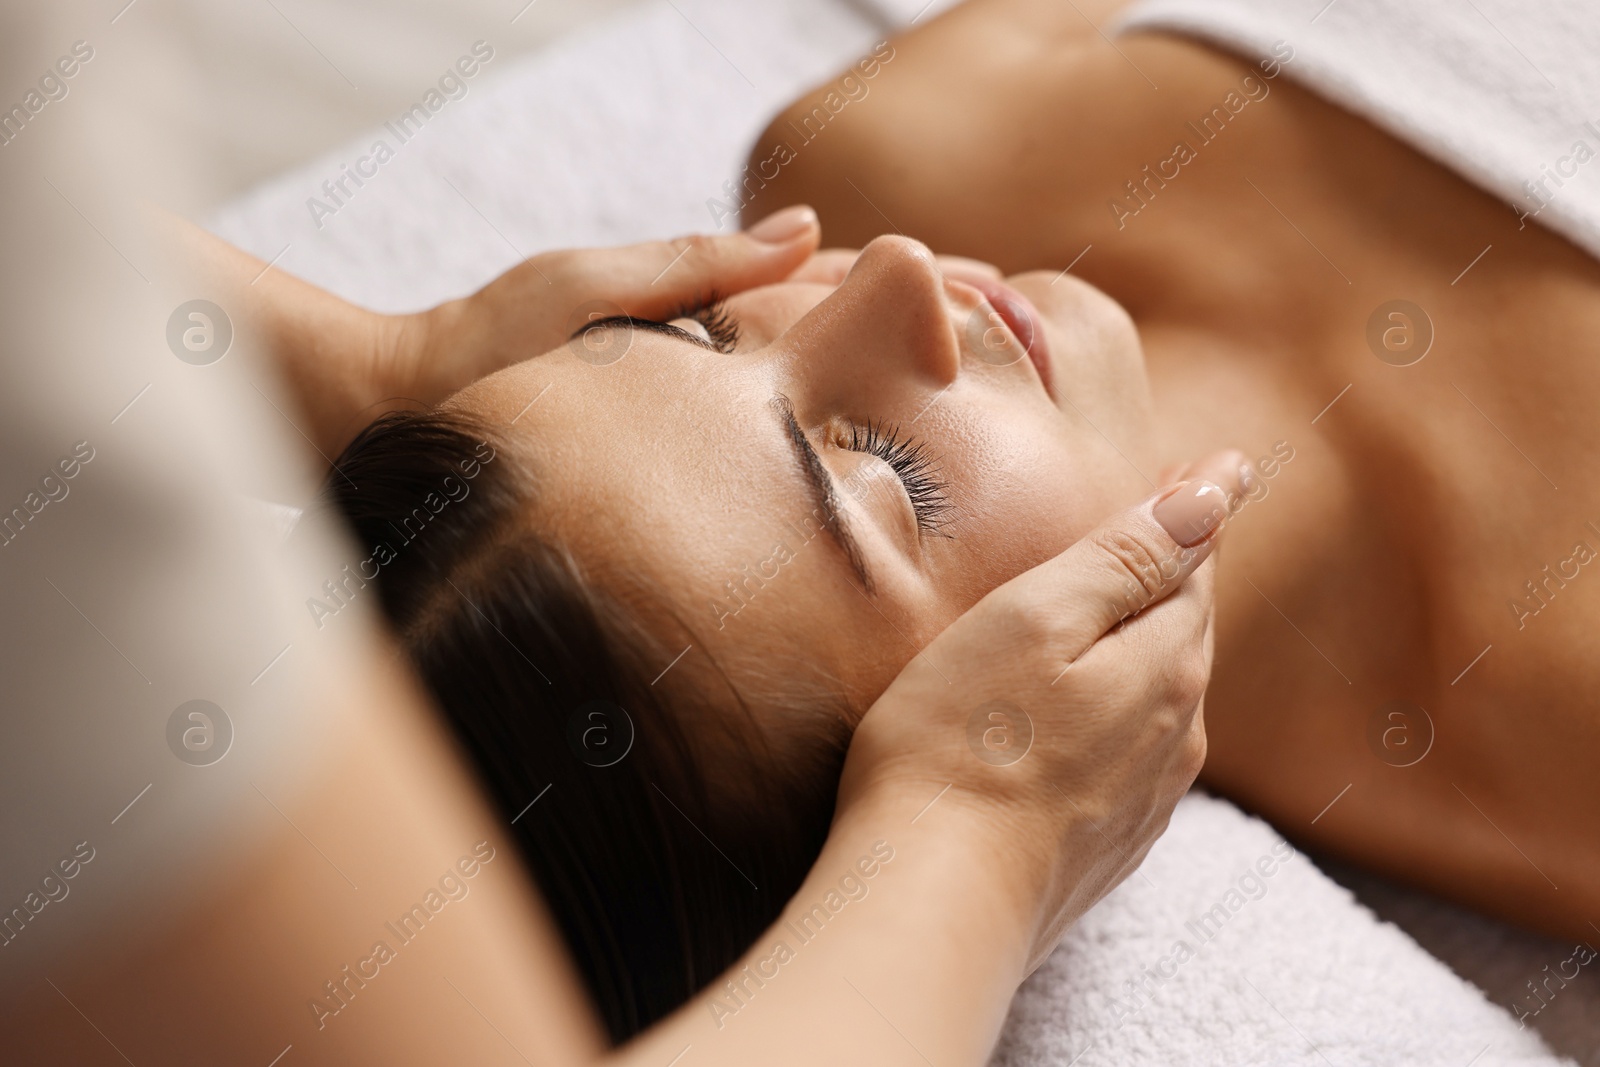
(1060, 717)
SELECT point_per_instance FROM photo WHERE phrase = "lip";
(1024, 322)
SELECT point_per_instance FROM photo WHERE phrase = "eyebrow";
(824, 497)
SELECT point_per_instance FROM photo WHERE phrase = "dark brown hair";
(662, 866)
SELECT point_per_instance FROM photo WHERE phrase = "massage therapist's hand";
(830, 266)
(1112, 704)
(346, 365)
(537, 305)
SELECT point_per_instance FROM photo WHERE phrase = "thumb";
(659, 278)
(1135, 559)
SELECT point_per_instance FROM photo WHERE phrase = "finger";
(1174, 636)
(1230, 469)
(831, 265)
(1135, 559)
(827, 267)
(658, 278)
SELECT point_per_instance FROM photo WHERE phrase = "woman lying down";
(699, 542)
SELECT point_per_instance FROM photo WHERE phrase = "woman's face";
(868, 461)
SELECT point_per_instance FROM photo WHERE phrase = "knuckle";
(1140, 564)
(1191, 675)
(1194, 756)
(1160, 824)
(698, 247)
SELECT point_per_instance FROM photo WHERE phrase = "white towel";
(1219, 952)
(1505, 92)
(627, 132)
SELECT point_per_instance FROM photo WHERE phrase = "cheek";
(1027, 487)
(1024, 491)
(1099, 361)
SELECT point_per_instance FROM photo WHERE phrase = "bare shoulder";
(890, 142)
(997, 130)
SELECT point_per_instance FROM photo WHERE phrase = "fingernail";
(1193, 512)
(784, 226)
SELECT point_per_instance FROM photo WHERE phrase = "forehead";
(670, 477)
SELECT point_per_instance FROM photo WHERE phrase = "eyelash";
(911, 463)
(713, 317)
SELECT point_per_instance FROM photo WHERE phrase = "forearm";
(919, 969)
(274, 941)
(332, 355)
(346, 366)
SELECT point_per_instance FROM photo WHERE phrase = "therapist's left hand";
(537, 305)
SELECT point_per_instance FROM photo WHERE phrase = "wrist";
(903, 915)
(419, 356)
(990, 874)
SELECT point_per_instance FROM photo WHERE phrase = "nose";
(887, 335)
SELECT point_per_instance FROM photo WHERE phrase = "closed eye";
(722, 330)
(912, 464)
